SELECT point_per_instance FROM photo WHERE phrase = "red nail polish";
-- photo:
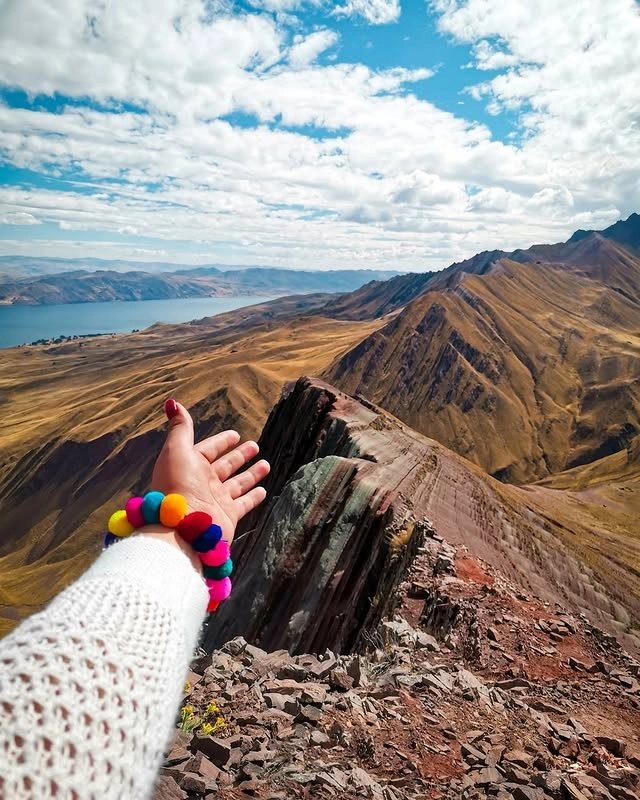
(170, 408)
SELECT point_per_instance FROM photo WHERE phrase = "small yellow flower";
(188, 719)
(187, 687)
(212, 709)
(206, 729)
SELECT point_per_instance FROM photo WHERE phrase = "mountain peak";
(625, 232)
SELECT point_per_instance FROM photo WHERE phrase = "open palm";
(208, 473)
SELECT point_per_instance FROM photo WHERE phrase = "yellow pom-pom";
(119, 525)
(173, 510)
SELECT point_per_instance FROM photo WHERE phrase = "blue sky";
(366, 133)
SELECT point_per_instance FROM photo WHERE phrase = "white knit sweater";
(90, 687)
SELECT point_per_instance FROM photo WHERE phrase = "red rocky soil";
(471, 690)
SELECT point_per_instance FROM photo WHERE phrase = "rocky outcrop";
(512, 698)
(317, 561)
(351, 494)
(69, 456)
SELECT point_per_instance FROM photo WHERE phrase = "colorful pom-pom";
(219, 590)
(220, 553)
(173, 510)
(119, 525)
(208, 540)
(194, 525)
(134, 512)
(218, 573)
(151, 507)
(197, 528)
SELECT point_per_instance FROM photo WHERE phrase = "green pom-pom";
(218, 573)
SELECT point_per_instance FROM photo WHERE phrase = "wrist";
(195, 533)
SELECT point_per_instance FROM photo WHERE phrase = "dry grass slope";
(527, 370)
(82, 422)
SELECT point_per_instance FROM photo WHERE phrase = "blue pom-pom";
(151, 507)
(109, 539)
(208, 540)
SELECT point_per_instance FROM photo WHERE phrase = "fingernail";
(170, 408)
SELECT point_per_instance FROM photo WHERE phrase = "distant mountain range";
(35, 266)
(86, 286)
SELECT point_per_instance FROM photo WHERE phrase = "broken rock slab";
(218, 751)
(400, 632)
(615, 746)
(168, 789)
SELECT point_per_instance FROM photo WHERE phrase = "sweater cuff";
(163, 571)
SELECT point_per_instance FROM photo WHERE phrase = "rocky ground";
(472, 690)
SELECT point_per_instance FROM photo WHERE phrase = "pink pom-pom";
(216, 557)
(219, 590)
(134, 512)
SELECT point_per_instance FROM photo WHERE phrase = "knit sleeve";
(90, 687)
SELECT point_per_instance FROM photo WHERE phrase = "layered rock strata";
(315, 562)
(351, 494)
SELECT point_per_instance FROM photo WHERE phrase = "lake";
(26, 324)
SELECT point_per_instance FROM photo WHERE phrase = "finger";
(245, 481)
(214, 446)
(180, 433)
(231, 462)
(249, 501)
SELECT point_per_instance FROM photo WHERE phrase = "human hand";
(207, 473)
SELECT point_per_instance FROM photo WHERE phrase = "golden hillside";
(83, 422)
(526, 370)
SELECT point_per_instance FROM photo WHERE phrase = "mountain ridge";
(625, 232)
(377, 298)
(527, 366)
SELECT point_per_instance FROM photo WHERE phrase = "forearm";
(90, 687)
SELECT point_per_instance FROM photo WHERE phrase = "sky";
(389, 134)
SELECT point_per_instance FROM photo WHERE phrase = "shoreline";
(22, 325)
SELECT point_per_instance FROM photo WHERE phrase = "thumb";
(180, 432)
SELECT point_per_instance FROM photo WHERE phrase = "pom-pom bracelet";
(197, 528)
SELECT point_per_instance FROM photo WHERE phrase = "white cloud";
(343, 165)
(376, 12)
(573, 71)
(489, 56)
(276, 5)
(306, 49)
(18, 218)
(111, 52)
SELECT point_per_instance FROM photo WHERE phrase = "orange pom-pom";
(213, 604)
(173, 510)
